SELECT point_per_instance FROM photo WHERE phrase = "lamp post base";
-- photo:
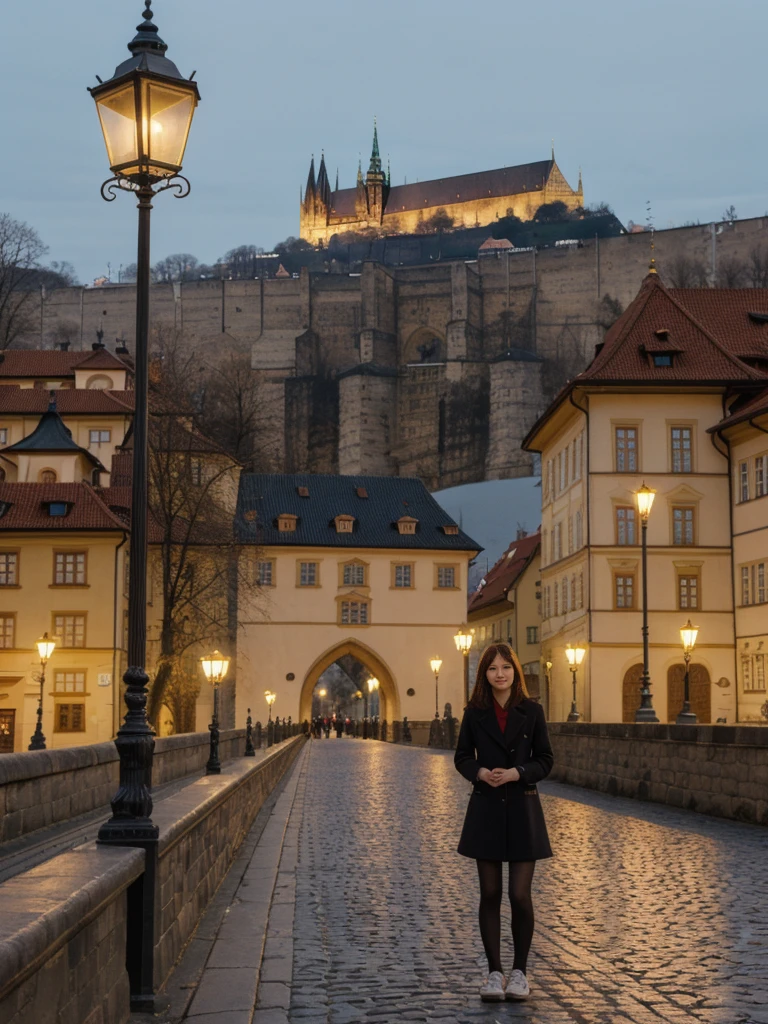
(686, 716)
(37, 741)
(645, 715)
(574, 715)
(435, 733)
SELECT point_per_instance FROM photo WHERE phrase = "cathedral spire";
(375, 165)
(311, 187)
(323, 185)
(337, 179)
(360, 171)
(553, 150)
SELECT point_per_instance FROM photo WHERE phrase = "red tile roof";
(505, 573)
(700, 356)
(27, 509)
(725, 313)
(757, 406)
(15, 400)
(22, 362)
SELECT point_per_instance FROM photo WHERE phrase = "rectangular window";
(761, 476)
(566, 602)
(69, 568)
(196, 471)
(556, 605)
(550, 479)
(265, 573)
(745, 584)
(580, 590)
(625, 444)
(100, 436)
(308, 574)
(69, 682)
(746, 671)
(354, 613)
(403, 577)
(570, 535)
(624, 591)
(446, 577)
(743, 481)
(761, 583)
(9, 562)
(687, 592)
(69, 718)
(563, 467)
(579, 531)
(759, 673)
(531, 634)
(625, 525)
(70, 629)
(7, 631)
(577, 448)
(681, 440)
(3, 436)
(354, 575)
(683, 524)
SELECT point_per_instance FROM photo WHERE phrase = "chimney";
(64, 346)
(121, 348)
(97, 346)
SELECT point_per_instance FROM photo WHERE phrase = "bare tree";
(758, 267)
(21, 250)
(180, 266)
(686, 272)
(242, 263)
(230, 409)
(732, 272)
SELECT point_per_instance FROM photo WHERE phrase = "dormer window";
(344, 523)
(450, 529)
(361, 492)
(286, 522)
(58, 508)
(5, 507)
(662, 359)
(406, 525)
(303, 492)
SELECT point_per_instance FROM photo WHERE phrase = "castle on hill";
(470, 200)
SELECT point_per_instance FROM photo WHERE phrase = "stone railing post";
(449, 727)
(270, 733)
(396, 732)
(305, 727)
(407, 738)
(258, 730)
(249, 751)
(383, 730)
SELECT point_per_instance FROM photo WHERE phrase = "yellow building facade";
(643, 413)
(370, 567)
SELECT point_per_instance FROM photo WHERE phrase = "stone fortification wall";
(715, 769)
(69, 923)
(439, 329)
(43, 787)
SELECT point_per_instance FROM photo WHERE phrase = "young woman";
(504, 750)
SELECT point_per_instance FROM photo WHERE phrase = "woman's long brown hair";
(482, 694)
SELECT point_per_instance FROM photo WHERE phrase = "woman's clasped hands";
(498, 776)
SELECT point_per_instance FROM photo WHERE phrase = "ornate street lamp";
(270, 699)
(575, 656)
(45, 648)
(645, 713)
(145, 111)
(435, 729)
(215, 667)
(463, 643)
(688, 634)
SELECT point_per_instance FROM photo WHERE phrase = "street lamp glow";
(373, 684)
(146, 110)
(435, 664)
(215, 666)
(322, 693)
(688, 634)
(270, 697)
(574, 654)
(644, 498)
(463, 642)
(45, 647)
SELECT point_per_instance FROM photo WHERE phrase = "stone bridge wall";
(715, 769)
(42, 787)
(66, 929)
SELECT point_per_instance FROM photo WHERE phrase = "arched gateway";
(388, 693)
(359, 576)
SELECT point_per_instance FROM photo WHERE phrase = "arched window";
(47, 476)
(99, 382)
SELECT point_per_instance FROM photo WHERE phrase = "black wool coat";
(505, 822)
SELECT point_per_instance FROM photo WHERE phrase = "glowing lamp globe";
(644, 498)
(215, 666)
(45, 647)
(435, 664)
(575, 655)
(688, 635)
(463, 641)
(146, 110)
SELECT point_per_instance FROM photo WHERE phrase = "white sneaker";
(517, 986)
(493, 990)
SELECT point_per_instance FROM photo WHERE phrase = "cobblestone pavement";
(645, 914)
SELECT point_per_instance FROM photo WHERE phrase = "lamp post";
(688, 634)
(645, 713)
(322, 695)
(435, 730)
(373, 687)
(463, 643)
(45, 647)
(215, 667)
(575, 656)
(270, 699)
(146, 112)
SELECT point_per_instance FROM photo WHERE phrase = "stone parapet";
(44, 787)
(715, 769)
(63, 939)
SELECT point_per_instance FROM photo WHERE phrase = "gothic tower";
(376, 188)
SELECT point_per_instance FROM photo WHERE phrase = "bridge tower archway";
(388, 695)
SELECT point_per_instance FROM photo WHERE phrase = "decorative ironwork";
(178, 185)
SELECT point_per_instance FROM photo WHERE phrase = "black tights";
(520, 878)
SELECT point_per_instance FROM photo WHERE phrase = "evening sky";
(662, 100)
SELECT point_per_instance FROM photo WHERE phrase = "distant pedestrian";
(504, 750)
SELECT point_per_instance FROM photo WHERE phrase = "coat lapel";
(490, 723)
(515, 722)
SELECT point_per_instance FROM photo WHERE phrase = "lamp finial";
(147, 39)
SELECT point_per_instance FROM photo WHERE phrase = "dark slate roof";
(51, 435)
(461, 188)
(263, 497)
